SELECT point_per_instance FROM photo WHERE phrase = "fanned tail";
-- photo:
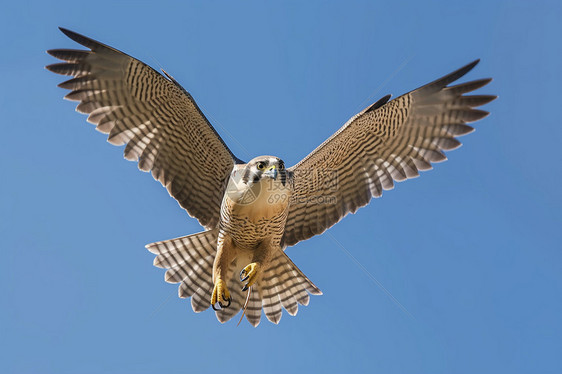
(283, 285)
(189, 261)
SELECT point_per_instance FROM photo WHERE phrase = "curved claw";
(243, 275)
(250, 274)
(220, 295)
(222, 306)
(227, 305)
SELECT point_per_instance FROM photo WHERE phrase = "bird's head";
(264, 168)
(260, 178)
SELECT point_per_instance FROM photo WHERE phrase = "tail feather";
(284, 285)
(287, 298)
(270, 301)
(189, 261)
(200, 276)
(196, 270)
(200, 299)
(253, 309)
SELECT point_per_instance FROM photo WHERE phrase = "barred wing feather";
(160, 123)
(388, 141)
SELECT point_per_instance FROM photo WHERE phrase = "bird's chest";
(250, 221)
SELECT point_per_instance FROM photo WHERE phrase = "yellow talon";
(249, 273)
(220, 295)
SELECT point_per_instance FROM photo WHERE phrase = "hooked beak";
(271, 172)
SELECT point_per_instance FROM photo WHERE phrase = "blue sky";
(471, 249)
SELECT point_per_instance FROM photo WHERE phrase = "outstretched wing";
(388, 141)
(162, 126)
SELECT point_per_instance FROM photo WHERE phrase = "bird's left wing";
(162, 126)
(388, 141)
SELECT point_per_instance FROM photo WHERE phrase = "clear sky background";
(470, 251)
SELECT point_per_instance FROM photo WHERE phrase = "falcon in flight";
(252, 211)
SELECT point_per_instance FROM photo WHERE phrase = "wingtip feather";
(88, 42)
(71, 34)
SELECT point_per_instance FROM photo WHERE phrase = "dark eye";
(261, 165)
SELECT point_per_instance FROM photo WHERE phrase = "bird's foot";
(250, 274)
(220, 295)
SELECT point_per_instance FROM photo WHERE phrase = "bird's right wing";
(388, 141)
(162, 126)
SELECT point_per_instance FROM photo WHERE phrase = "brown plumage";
(253, 211)
(380, 145)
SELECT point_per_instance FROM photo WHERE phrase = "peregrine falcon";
(252, 211)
